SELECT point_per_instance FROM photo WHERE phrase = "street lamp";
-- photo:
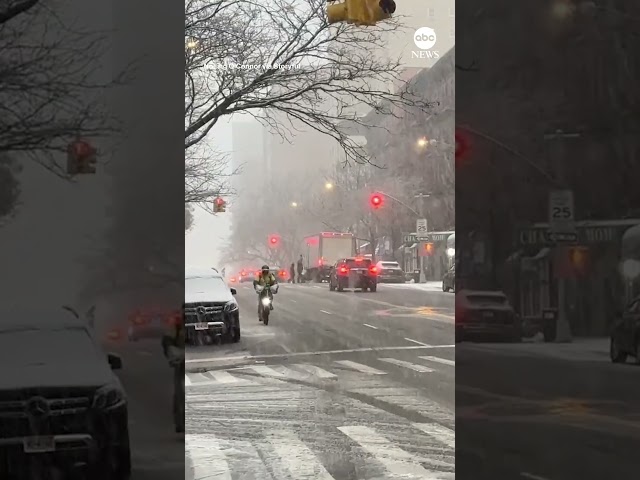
(294, 204)
(328, 186)
(423, 142)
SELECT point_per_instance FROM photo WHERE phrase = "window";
(204, 284)
(487, 300)
(358, 263)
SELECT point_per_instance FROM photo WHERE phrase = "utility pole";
(558, 161)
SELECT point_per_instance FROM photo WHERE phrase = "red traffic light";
(219, 201)
(274, 240)
(376, 200)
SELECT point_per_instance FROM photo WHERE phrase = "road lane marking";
(531, 476)
(409, 365)
(444, 361)
(313, 370)
(397, 462)
(370, 326)
(322, 352)
(208, 460)
(360, 367)
(442, 434)
(266, 371)
(416, 341)
(299, 461)
(187, 380)
(328, 313)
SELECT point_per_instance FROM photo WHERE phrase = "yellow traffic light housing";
(360, 12)
(429, 249)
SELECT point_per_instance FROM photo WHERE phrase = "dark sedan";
(486, 315)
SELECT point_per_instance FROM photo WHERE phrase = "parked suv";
(352, 272)
(389, 271)
(64, 410)
(210, 310)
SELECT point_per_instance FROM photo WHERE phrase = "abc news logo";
(425, 39)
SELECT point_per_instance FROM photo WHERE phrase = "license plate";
(39, 444)
(487, 314)
(202, 326)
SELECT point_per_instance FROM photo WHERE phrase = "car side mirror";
(233, 291)
(115, 362)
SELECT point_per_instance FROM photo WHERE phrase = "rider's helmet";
(265, 270)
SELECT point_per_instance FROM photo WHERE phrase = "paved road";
(339, 386)
(546, 412)
(157, 452)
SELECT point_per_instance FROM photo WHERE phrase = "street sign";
(561, 211)
(421, 228)
(409, 239)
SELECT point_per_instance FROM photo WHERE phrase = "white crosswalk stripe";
(444, 361)
(298, 460)
(360, 367)
(281, 454)
(397, 461)
(409, 365)
(254, 374)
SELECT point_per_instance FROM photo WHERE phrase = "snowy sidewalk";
(428, 286)
(579, 350)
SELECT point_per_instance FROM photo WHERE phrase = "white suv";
(211, 312)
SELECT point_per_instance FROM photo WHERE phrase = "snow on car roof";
(197, 272)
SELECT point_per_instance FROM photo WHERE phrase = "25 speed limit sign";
(561, 211)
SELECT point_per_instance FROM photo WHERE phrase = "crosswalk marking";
(444, 361)
(409, 365)
(264, 370)
(397, 461)
(222, 376)
(360, 367)
(317, 371)
(442, 434)
(208, 461)
(187, 380)
(296, 457)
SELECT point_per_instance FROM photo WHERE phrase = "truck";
(322, 250)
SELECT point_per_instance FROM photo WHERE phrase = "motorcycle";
(264, 307)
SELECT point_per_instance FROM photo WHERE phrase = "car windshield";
(480, 299)
(390, 265)
(203, 284)
(30, 347)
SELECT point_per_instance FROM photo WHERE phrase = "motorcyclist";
(175, 337)
(265, 279)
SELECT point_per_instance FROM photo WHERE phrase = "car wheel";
(331, 287)
(364, 289)
(340, 288)
(616, 355)
(444, 287)
(373, 287)
(549, 332)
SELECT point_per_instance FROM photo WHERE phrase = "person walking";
(300, 269)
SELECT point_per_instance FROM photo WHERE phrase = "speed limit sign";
(561, 211)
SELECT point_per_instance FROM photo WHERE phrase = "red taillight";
(139, 320)
(358, 259)
(343, 270)
(258, 273)
(114, 335)
(232, 279)
(283, 273)
(373, 270)
(244, 274)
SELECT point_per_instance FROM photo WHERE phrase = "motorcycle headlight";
(266, 301)
(108, 397)
(231, 306)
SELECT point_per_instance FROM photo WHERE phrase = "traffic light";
(376, 200)
(274, 241)
(81, 158)
(429, 249)
(219, 205)
(579, 259)
(462, 146)
(360, 12)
